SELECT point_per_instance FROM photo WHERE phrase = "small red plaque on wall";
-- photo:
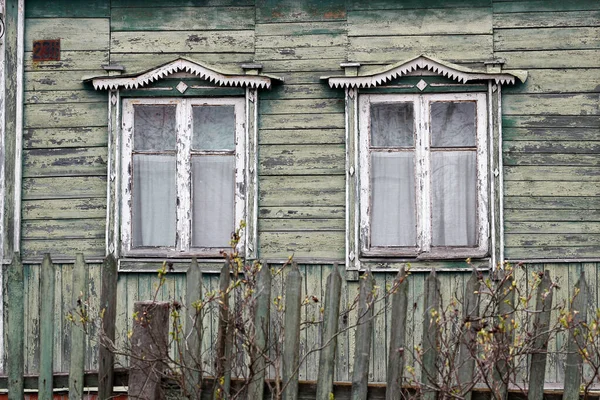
(46, 50)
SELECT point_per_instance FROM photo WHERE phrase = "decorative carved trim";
(452, 71)
(135, 81)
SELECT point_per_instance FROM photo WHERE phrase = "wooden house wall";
(550, 132)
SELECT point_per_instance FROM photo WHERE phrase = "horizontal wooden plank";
(311, 77)
(64, 96)
(301, 53)
(550, 58)
(317, 90)
(547, 239)
(60, 248)
(301, 160)
(66, 8)
(74, 33)
(316, 244)
(64, 209)
(64, 229)
(301, 212)
(546, 19)
(554, 133)
(301, 136)
(309, 66)
(69, 61)
(295, 11)
(390, 49)
(181, 18)
(299, 41)
(431, 21)
(301, 106)
(139, 62)
(58, 80)
(183, 41)
(551, 203)
(543, 5)
(65, 115)
(511, 215)
(64, 187)
(516, 158)
(303, 191)
(546, 38)
(181, 3)
(556, 147)
(302, 121)
(536, 227)
(301, 28)
(551, 188)
(300, 224)
(65, 161)
(558, 81)
(551, 104)
(550, 121)
(551, 173)
(408, 4)
(43, 138)
(551, 252)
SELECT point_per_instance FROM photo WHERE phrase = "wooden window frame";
(183, 247)
(424, 249)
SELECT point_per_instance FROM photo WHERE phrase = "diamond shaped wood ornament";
(422, 85)
(182, 87)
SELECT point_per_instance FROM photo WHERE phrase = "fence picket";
(430, 335)
(47, 283)
(395, 369)
(15, 325)
(466, 362)
(364, 330)
(261, 332)
(108, 310)
(506, 304)
(193, 323)
(330, 329)
(79, 310)
(291, 344)
(222, 357)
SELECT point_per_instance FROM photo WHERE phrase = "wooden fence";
(151, 338)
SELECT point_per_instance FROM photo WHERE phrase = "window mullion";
(423, 170)
(184, 139)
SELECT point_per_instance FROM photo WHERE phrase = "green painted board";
(301, 106)
(517, 158)
(551, 173)
(60, 248)
(546, 19)
(314, 245)
(269, 11)
(299, 41)
(63, 209)
(548, 104)
(535, 227)
(551, 252)
(550, 133)
(302, 191)
(65, 115)
(418, 4)
(69, 61)
(551, 202)
(546, 239)
(557, 188)
(550, 58)
(64, 187)
(308, 66)
(300, 121)
(290, 225)
(301, 53)
(555, 147)
(70, 31)
(550, 121)
(65, 161)
(66, 8)
(315, 90)
(183, 41)
(140, 62)
(301, 212)
(546, 38)
(543, 5)
(65, 137)
(301, 28)
(558, 81)
(301, 160)
(64, 96)
(511, 215)
(182, 3)
(58, 80)
(301, 136)
(63, 229)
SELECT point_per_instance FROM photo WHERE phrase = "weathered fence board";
(291, 333)
(364, 330)
(194, 330)
(108, 312)
(15, 322)
(395, 367)
(429, 368)
(47, 284)
(541, 325)
(79, 310)
(261, 332)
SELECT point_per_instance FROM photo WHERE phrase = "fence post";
(261, 332)
(506, 306)
(541, 324)
(79, 297)
(15, 325)
(430, 335)
(193, 323)
(108, 310)
(47, 278)
(395, 369)
(222, 358)
(364, 331)
(149, 347)
(291, 341)
(576, 341)
(330, 328)
(466, 362)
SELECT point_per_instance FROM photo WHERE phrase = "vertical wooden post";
(364, 332)
(261, 332)
(466, 362)
(506, 305)
(330, 329)
(47, 278)
(16, 328)
(108, 310)
(429, 370)
(193, 324)
(222, 374)
(149, 347)
(576, 341)
(291, 343)
(78, 303)
(541, 324)
(395, 370)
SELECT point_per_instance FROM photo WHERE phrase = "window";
(183, 174)
(423, 175)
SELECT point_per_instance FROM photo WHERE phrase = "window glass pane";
(154, 198)
(392, 125)
(453, 124)
(454, 198)
(214, 128)
(155, 127)
(393, 216)
(213, 180)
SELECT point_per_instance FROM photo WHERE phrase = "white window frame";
(424, 250)
(184, 105)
